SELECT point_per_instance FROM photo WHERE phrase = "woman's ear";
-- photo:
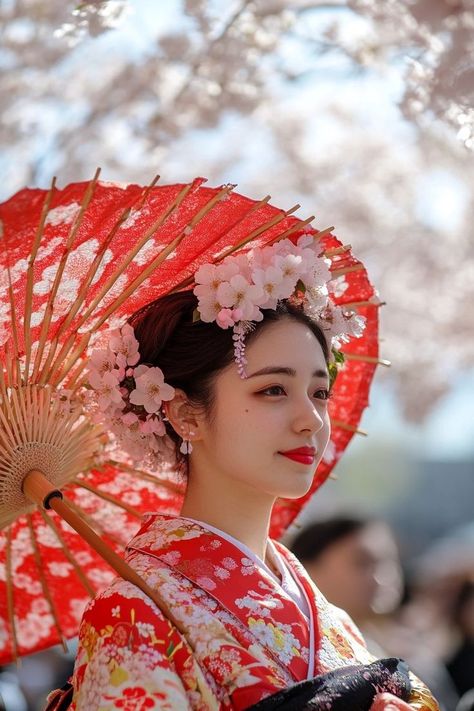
(182, 416)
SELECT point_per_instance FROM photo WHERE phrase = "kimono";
(246, 636)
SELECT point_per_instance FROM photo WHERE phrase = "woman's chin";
(295, 489)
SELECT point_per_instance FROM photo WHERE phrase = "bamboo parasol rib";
(367, 359)
(360, 304)
(348, 427)
(107, 497)
(29, 276)
(8, 573)
(57, 279)
(346, 270)
(67, 553)
(95, 525)
(81, 347)
(44, 586)
(254, 208)
(144, 476)
(159, 259)
(96, 263)
(172, 207)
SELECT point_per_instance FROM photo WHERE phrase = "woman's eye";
(273, 390)
(322, 394)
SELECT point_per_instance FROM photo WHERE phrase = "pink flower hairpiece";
(128, 398)
(234, 292)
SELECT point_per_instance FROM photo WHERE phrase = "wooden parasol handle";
(40, 490)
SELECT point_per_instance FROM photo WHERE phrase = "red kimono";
(247, 636)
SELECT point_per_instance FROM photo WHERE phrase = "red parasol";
(73, 264)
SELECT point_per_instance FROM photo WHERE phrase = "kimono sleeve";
(421, 699)
(125, 656)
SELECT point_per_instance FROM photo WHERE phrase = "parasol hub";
(42, 429)
(39, 489)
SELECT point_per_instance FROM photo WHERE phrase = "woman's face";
(255, 419)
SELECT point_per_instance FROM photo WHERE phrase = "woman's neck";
(237, 513)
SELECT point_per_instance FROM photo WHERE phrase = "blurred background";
(363, 113)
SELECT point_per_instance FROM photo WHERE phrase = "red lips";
(304, 455)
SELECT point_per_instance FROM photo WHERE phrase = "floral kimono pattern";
(246, 638)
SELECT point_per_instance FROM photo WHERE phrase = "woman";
(236, 376)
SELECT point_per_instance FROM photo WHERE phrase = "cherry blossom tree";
(360, 110)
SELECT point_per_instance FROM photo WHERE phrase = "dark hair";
(191, 353)
(316, 538)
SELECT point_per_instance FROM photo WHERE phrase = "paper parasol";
(73, 264)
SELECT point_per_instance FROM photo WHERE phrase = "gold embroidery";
(420, 697)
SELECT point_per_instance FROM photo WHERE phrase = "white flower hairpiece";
(127, 397)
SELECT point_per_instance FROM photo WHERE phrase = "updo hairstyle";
(191, 354)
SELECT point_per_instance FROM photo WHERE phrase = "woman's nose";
(307, 416)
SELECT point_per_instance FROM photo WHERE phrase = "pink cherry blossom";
(231, 266)
(306, 240)
(269, 281)
(320, 274)
(284, 247)
(130, 418)
(208, 307)
(107, 389)
(291, 268)
(263, 257)
(123, 342)
(251, 312)
(210, 276)
(340, 325)
(316, 300)
(151, 389)
(234, 292)
(153, 425)
(240, 293)
(225, 318)
(242, 265)
(207, 280)
(356, 324)
(103, 360)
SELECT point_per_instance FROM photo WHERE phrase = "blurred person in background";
(461, 664)
(356, 564)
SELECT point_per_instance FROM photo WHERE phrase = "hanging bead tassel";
(186, 447)
(240, 330)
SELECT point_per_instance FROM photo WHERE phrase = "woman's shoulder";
(122, 603)
(129, 654)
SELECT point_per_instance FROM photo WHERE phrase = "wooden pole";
(40, 490)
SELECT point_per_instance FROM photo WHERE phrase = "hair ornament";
(234, 292)
(127, 398)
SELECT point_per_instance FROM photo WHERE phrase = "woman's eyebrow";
(282, 370)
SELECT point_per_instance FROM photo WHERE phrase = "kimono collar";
(247, 591)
